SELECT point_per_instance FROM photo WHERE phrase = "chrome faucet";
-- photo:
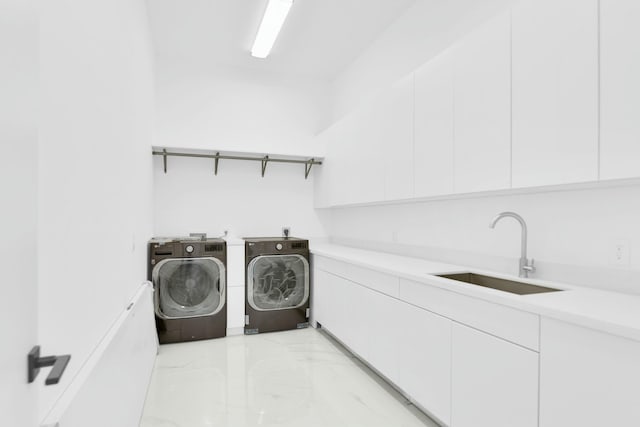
(525, 266)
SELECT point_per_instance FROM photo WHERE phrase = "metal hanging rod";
(217, 156)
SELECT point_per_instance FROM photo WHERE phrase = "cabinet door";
(494, 382)
(587, 378)
(555, 92)
(380, 316)
(433, 127)
(482, 108)
(363, 173)
(364, 320)
(321, 175)
(326, 309)
(397, 145)
(425, 360)
(340, 149)
(338, 307)
(620, 89)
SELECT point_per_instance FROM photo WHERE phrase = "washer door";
(278, 282)
(189, 287)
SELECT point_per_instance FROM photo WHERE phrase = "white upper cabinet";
(555, 92)
(482, 108)
(339, 139)
(355, 154)
(396, 131)
(620, 88)
(363, 176)
(545, 93)
(433, 128)
(322, 190)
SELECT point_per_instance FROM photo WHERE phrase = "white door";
(18, 133)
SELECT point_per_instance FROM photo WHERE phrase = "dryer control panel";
(262, 246)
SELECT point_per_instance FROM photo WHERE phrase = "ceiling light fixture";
(270, 26)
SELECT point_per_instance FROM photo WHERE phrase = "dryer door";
(189, 287)
(278, 282)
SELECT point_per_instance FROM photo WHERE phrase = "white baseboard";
(235, 331)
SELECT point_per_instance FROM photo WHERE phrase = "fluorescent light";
(270, 26)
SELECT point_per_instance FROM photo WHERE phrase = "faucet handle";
(530, 266)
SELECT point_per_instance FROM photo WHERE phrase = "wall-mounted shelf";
(264, 159)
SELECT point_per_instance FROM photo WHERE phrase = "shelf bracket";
(164, 159)
(307, 168)
(217, 156)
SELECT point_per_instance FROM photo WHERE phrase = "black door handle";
(35, 362)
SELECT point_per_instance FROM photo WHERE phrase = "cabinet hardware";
(35, 362)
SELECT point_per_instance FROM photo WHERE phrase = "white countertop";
(610, 312)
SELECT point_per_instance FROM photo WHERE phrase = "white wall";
(18, 176)
(207, 106)
(424, 30)
(572, 234)
(204, 105)
(190, 198)
(95, 172)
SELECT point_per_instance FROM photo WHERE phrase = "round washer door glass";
(278, 282)
(189, 287)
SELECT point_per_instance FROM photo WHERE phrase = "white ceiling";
(319, 39)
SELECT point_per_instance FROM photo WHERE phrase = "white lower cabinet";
(354, 330)
(235, 287)
(339, 307)
(235, 310)
(329, 303)
(494, 383)
(381, 316)
(461, 376)
(425, 360)
(363, 319)
(466, 377)
(587, 378)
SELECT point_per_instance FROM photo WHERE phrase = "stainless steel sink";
(499, 284)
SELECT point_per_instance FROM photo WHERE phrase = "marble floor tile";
(293, 378)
